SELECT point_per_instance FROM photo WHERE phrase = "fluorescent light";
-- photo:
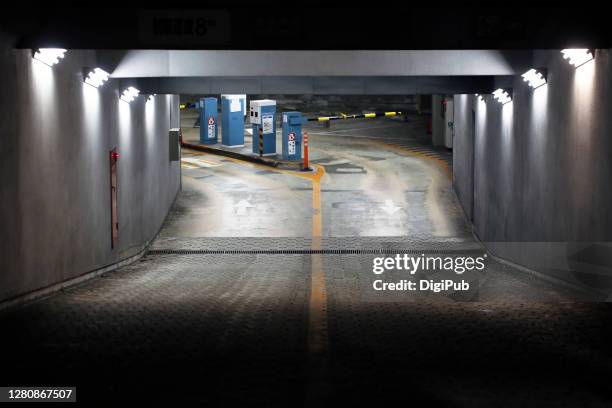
(534, 78)
(502, 95)
(49, 56)
(97, 77)
(129, 94)
(577, 56)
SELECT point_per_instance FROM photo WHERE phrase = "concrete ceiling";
(242, 25)
(191, 63)
(314, 72)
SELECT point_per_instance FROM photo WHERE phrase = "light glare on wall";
(129, 94)
(503, 96)
(97, 77)
(480, 97)
(535, 78)
(577, 56)
(151, 96)
(49, 56)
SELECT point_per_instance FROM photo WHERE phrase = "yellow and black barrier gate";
(342, 116)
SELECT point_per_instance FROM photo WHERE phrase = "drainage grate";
(311, 251)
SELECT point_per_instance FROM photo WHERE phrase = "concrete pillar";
(437, 120)
(442, 115)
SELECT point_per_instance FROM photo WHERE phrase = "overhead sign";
(175, 27)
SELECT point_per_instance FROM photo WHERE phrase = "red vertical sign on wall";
(114, 157)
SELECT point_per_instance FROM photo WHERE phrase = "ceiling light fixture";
(578, 56)
(96, 77)
(503, 96)
(535, 78)
(129, 94)
(49, 56)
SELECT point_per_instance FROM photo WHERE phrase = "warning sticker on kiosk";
(267, 123)
(211, 127)
(291, 143)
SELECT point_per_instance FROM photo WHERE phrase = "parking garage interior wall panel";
(542, 163)
(57, 133)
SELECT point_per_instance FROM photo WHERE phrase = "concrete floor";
(261, 329)
(370, 188)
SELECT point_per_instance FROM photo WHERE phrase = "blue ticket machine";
(232, 122)
(208, 121)
(292, 136)
(261, 115)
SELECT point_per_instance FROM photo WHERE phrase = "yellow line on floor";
(199, 162)
(317, 316)
(316, 208)
(316, 175)
(317, 308)
(317, 322)
(318, 340)
(210, 162)
(435, 160)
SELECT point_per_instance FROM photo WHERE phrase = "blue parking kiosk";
(232, 121)
(242, 97)
(208, 121)
(292, 136)
(261, 115)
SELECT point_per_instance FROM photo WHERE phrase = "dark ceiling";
(378, 25)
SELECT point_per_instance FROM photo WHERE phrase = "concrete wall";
(55, 178)
(211, 63)
(463, 152)
(542, 163)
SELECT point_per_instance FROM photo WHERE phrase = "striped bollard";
(306, 167)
